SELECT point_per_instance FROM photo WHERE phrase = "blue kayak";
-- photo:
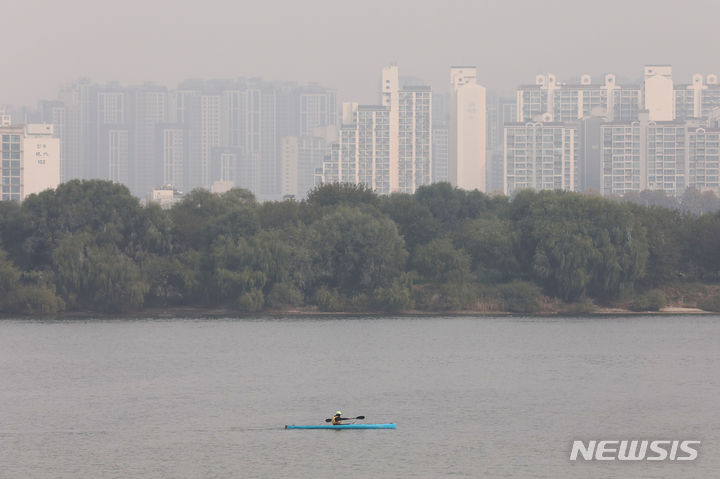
(346, 426)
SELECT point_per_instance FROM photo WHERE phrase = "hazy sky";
(344, 44)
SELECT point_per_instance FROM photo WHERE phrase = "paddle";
(346, 418)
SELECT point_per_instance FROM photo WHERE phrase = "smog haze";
(344, 44)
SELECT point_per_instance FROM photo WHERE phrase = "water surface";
(472, 397)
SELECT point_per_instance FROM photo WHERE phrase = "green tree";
(489, 241)
(99, 278)
(439, 261)
(576, 245)
(172, 279)
(703, 253)
(699, 203)
(414, 221)
(25, 293)
(355, 251)
(335, 194)
(443, 201)
(201, 216)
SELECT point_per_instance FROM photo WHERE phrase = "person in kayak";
(337, 418)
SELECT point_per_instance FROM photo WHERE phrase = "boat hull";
(346, 426)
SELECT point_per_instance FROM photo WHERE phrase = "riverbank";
(680, 299)
(215, 313)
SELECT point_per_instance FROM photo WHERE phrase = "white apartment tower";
(30, 160)
(414, 138)
(387, 147)
(467, 130)
(658, 94)
(390, 99)
(362, 154)
(540, 155)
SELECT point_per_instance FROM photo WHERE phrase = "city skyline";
(279, 139)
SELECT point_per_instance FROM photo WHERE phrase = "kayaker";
(337, 418)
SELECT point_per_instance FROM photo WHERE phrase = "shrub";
(33, 299)
(710, 304)
(396, 297)
(329, 300)
(520, 297)
(251, 301)
(584, 306)
(284, 294)
(653, 300)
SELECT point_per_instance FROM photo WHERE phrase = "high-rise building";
(569, 102)
(390, 99)
(78, 133)
(362, 155)
(620, 168)
(467, 140)
(666, 161)
(12, 141)
(669, 156)
(30, 160)
(5, 117)
(289, 159)
(209, 138)
(115, 153)
(441, 153)
(697, 99)
(386, 147)
(312, 151)
(658, 96)
(414, 138)
(113, 136)
(495, 171)
(655, 135)
(172, 154)
(224, 166)
(150, 109)
(704, 159)
(317, 109)
(540, 155)
(147, 136)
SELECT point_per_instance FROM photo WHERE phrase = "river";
(497, 397)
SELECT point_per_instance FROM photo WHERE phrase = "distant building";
(658, 96)
(5, 118)
(289, 159)
(166, 196)
(300, 157)
(620, 168)
(540, 155)
(496, 171)
(655, 135)
(569, 102)
(149, 108)
(669, 156)
(113, 136)
(414, 138)
(172, 152)
(219, 187)
(362, 154)
(386, 147)
(441, 153)
(699, 98)
(467, 138)
(30, 160)
(317, 109)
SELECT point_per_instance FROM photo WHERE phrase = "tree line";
(92, 246)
